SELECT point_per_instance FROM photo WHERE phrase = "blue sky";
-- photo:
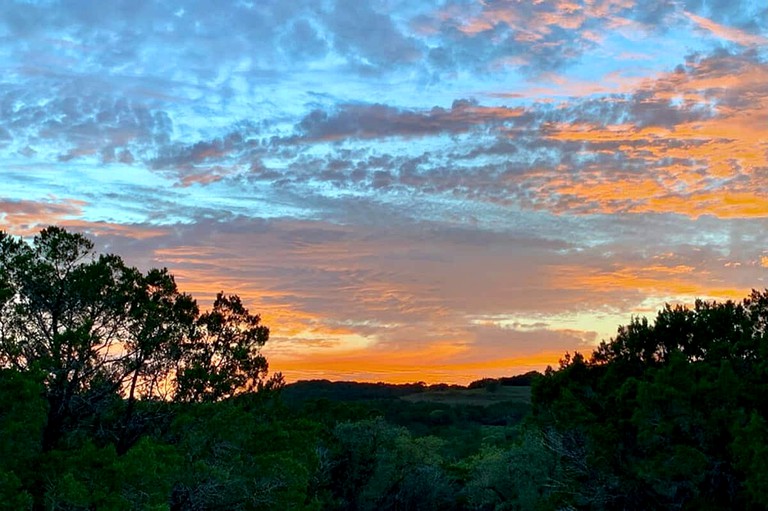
(434, 190)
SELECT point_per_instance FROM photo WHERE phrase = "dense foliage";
(667, 415)
(118, 393)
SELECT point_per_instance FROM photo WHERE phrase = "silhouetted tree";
(96, 328)
(222, 356)
(671, 413)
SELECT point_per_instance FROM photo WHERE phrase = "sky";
(432, 190)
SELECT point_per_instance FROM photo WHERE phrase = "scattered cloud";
(468, 187)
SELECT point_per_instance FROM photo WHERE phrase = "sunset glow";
(434, 191)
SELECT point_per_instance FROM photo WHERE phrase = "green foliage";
(662, 410)
(23, 413)
(523, 476)
(91, 477)
(380, 466)
(750, 449)
(22, 418)
(13, 497)
(236, 459)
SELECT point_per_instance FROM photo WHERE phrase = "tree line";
(117, 392)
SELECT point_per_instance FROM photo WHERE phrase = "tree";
(222, 357)
(96, 328)
(22, 418)
(529, 474)
(244, 454)
(380, 466)
(671, 412)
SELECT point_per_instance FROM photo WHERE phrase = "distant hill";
(520, 380)
(307, 390)
(480, 392)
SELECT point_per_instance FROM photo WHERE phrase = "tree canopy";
(669, 414)
(94, 327)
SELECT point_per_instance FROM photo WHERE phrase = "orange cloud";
(713, 165)
(728, 33)
(552, 84)
(679, 282)
(25, 217)
(532, 22)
